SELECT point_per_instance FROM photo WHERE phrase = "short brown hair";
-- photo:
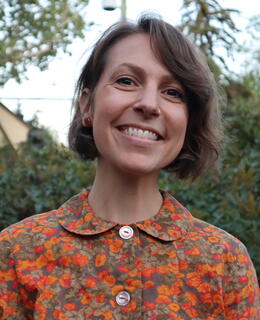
(202, 141)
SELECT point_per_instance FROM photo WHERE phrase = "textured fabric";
(70, 264)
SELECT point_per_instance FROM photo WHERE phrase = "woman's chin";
(138, 169)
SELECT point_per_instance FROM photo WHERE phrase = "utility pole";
(123, 10)
(111, 5)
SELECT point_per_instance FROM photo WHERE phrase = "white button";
(126, 232)
(123, 298)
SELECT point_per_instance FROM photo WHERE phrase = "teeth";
(144, 134)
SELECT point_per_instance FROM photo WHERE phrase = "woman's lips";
(140, 132)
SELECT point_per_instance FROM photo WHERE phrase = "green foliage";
(211, 27)
(230, 199)
(32, 31)
(39, 177)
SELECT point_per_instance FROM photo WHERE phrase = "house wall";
(14, 129)
(2, 138)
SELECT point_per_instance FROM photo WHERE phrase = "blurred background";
(43, 46)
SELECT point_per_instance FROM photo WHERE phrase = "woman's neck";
(124, 198)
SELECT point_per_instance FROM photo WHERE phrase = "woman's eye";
(125, 81)
(174, 93)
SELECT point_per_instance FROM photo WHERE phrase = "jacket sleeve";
(10, 302)
(241, 289)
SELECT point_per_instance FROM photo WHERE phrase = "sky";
(58, 81)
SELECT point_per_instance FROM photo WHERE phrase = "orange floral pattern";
(70, 264)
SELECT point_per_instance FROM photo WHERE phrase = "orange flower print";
(183, 264)
(229, 257)
(148, 272)
(243, 259)
(174, 316)
(70, 306)
(148, 284)
(106, 277)
(79, 259)
(47, 295)
(47, 280)
(171, 254)
(157, 226)
(176, 288)
(87, 298)
(49, 231)
(17, 248)
(130, 307)
(39, 249)
(193, 252)
(7, 276)
(192, 312)
(169, 205)
(100, 260)
(91, 282)
(164, 290)
(163, 269)
(149, 305)
(65, 280)
(192, 298)
(59, 314)
(108, 315)
(49, 255)
(207, 298)
(133, 284)
(133, 273)
(194, 280)
(174, 307)
(65, 261)
(213, 239)
(114, 245)
(101, 298)
(68, 247)
(116, 289)
(122, 268)
(217, 256)
(163, 299)
(89, 315)
(174, 233)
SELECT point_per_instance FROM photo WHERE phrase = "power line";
(18, 99)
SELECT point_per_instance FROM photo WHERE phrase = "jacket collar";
(172, 222)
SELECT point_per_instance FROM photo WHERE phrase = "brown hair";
(202, 142)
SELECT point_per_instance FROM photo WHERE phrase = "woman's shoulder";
(43, 224)
(218, 241)
(202, 230)
(30, 226)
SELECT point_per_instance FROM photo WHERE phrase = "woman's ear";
(83, 101)
(84, 107)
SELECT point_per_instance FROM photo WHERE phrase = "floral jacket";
(70, 264)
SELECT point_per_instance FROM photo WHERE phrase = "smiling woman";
(123, 249)
(186, 78)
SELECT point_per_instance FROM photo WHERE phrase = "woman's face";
(139, 110)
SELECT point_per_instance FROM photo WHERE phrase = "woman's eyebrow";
(134, 68)
(169, 78)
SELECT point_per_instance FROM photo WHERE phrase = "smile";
(140, 133)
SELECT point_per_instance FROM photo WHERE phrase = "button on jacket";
(70, 264)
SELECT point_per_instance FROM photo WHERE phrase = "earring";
(87, 122)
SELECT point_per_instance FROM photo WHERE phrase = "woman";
(145, 101)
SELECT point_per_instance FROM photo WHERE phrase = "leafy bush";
(39, 177)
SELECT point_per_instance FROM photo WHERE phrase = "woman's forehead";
(135, 52)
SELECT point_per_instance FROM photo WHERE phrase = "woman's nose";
(148, 103)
